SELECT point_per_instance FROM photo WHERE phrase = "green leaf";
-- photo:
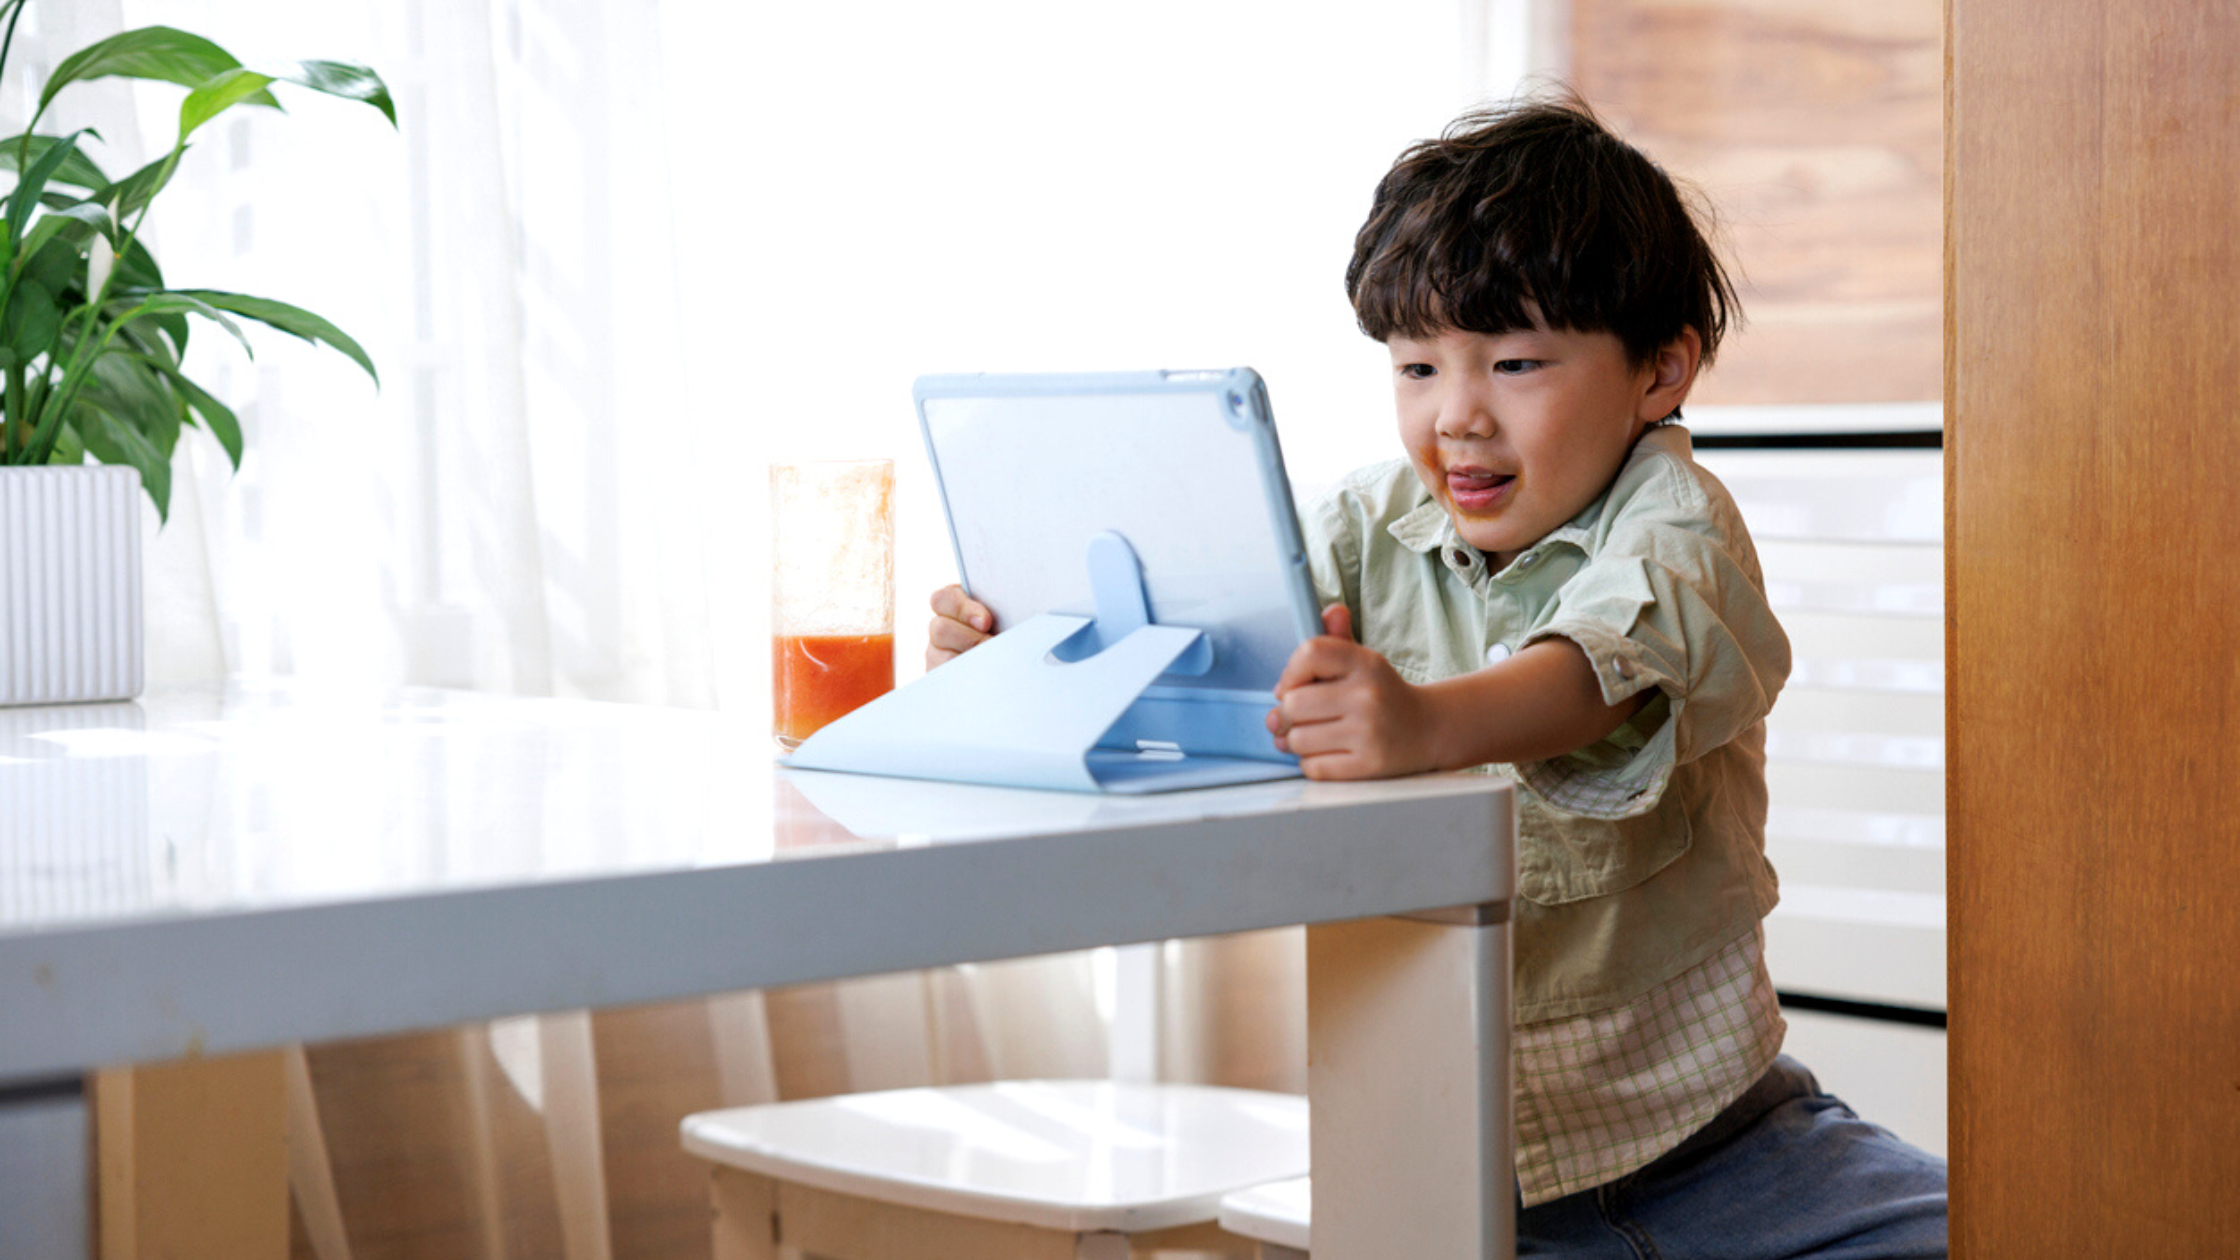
(149, 339)
(131, 391)
(288, 319)
(222, 92)
(139, 188)
(33, 317)
(347, 80)
(157, 53)
(78, 170)
(172, 326)
(67, 448)
(35, 180)
(112, 442)
(136, 268)
(180, 302)
(229, 88)
(137, 278)
(58, 265)
(218, 417)
(80, 221)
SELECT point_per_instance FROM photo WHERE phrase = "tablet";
(1183, 465)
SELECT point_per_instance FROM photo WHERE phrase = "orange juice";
(817, 678)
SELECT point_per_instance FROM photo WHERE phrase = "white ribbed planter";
(70, 626)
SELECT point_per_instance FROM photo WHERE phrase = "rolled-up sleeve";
(1666, 603)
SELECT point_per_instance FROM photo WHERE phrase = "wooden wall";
(1815, 128)
(2093, 618)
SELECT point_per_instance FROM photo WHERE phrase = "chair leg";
(571, 1134)
(310, 1169)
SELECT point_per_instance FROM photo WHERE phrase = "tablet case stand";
(1065, 702)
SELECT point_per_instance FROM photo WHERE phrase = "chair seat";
(1062, 1155)
(1280, 1212)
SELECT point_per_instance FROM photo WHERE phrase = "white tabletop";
(207, 871)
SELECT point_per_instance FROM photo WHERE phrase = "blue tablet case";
(1135, 535)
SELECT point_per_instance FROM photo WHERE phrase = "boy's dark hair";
(1533, 206)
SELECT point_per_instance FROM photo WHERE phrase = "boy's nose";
(1466, 414)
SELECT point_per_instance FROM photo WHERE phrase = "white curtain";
(618, 256)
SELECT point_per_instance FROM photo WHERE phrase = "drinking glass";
(832, 591)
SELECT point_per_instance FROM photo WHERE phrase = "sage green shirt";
(1639, 856)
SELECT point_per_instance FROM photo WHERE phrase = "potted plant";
(92, 360)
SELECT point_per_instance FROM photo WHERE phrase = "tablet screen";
(1183, 465)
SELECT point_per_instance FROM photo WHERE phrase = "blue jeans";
(1786, 1171)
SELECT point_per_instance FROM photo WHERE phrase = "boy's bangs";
(1470, 285)
(1409, 294)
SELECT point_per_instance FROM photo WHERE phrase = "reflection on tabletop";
(261, 795)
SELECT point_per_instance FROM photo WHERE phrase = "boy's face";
(1517, 433)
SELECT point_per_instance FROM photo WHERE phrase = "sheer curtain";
(617, 257)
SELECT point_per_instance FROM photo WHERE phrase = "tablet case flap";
(1007, 712)
(1059, 702)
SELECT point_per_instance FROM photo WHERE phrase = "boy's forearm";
(1543, 702)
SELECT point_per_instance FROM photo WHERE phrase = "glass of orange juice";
(832, 591)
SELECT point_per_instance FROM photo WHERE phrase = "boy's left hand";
(1345, 712)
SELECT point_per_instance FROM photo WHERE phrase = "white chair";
(1278, 1216)
(1015, 1170)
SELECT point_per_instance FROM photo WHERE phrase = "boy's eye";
(1515, 367)
(1418, 371)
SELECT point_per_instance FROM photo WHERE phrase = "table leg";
(193, 1158)
(1408, 1078)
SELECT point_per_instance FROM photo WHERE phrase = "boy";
(1549, 585)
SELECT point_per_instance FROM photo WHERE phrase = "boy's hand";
(1345, 712)
(959, 624)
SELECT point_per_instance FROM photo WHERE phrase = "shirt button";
(1496, 654)
(1527, 560)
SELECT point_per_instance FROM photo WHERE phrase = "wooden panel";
(656, 1065)
(2094, 807)
(1815, 128)
(433, 1149)
(193, 1159)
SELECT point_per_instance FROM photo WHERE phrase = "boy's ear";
(1672, 375)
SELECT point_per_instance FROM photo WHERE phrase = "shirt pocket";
(1563, 857)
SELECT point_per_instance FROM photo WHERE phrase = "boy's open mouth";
(1475, 489)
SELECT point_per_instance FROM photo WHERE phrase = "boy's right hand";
(959, 625)
(1346, 713)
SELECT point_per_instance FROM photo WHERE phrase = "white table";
(207, 872)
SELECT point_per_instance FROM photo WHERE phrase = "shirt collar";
(1425, 528)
